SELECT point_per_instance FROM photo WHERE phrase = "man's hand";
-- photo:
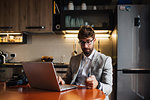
(60, 80)
(91, 82)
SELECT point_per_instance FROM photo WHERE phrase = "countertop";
(19, 64)
(16, 64)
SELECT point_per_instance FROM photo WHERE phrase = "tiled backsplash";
(60, 48)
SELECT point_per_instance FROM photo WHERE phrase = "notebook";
(42, 75)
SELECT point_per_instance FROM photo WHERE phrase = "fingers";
(91, 82)
(91, 79)
(60, 80)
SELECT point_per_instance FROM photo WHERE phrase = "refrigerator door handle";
(135, 71)
(137, 21)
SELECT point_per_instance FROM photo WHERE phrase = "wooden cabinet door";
(46, 14)
(4, 20)
(9, 15)
(36, 15)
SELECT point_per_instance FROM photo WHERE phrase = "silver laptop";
(42, 75)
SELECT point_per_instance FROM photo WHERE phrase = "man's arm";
(106, 81)
(68, 76)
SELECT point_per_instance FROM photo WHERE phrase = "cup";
(81, 21)
(77, 22)
(67, 21)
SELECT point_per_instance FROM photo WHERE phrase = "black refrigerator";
(133, 52)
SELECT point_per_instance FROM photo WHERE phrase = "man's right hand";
(60, 80)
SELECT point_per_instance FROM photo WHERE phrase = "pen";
(89, 74)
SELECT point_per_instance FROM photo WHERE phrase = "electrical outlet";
(13, 55)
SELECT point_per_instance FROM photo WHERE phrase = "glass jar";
(70, 6)
(83, 6)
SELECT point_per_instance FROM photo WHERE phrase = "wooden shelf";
(17, 39)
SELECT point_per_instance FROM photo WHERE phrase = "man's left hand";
(91, 82)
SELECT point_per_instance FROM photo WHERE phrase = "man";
(90, 68)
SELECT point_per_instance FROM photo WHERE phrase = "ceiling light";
(96, 35)
(77, 31)
(10, 33)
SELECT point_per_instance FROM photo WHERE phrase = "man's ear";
(94, 39)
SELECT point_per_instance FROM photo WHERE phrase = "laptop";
(42, 75)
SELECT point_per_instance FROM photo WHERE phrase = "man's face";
(87, 45)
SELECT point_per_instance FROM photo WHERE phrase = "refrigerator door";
(133, 85)
(133, 36)
(144, 37)
(133, 52)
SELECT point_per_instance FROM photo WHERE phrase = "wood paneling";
(36, 13)
(9, 15)
(20, 14)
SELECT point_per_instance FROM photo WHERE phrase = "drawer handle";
(35, 27)
(6, 27)
(126, 71)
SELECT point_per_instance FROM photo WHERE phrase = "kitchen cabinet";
(94, 15)
(12, 73)
(9, 15)
(35, 15)
(99, 19)
(26, 15)
(5, 74)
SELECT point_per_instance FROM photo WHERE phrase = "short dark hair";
(86, 32)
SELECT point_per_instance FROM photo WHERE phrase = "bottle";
(70, 6)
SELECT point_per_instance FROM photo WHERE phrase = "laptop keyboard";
(67, 86)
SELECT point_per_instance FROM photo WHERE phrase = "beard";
(87, 51)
